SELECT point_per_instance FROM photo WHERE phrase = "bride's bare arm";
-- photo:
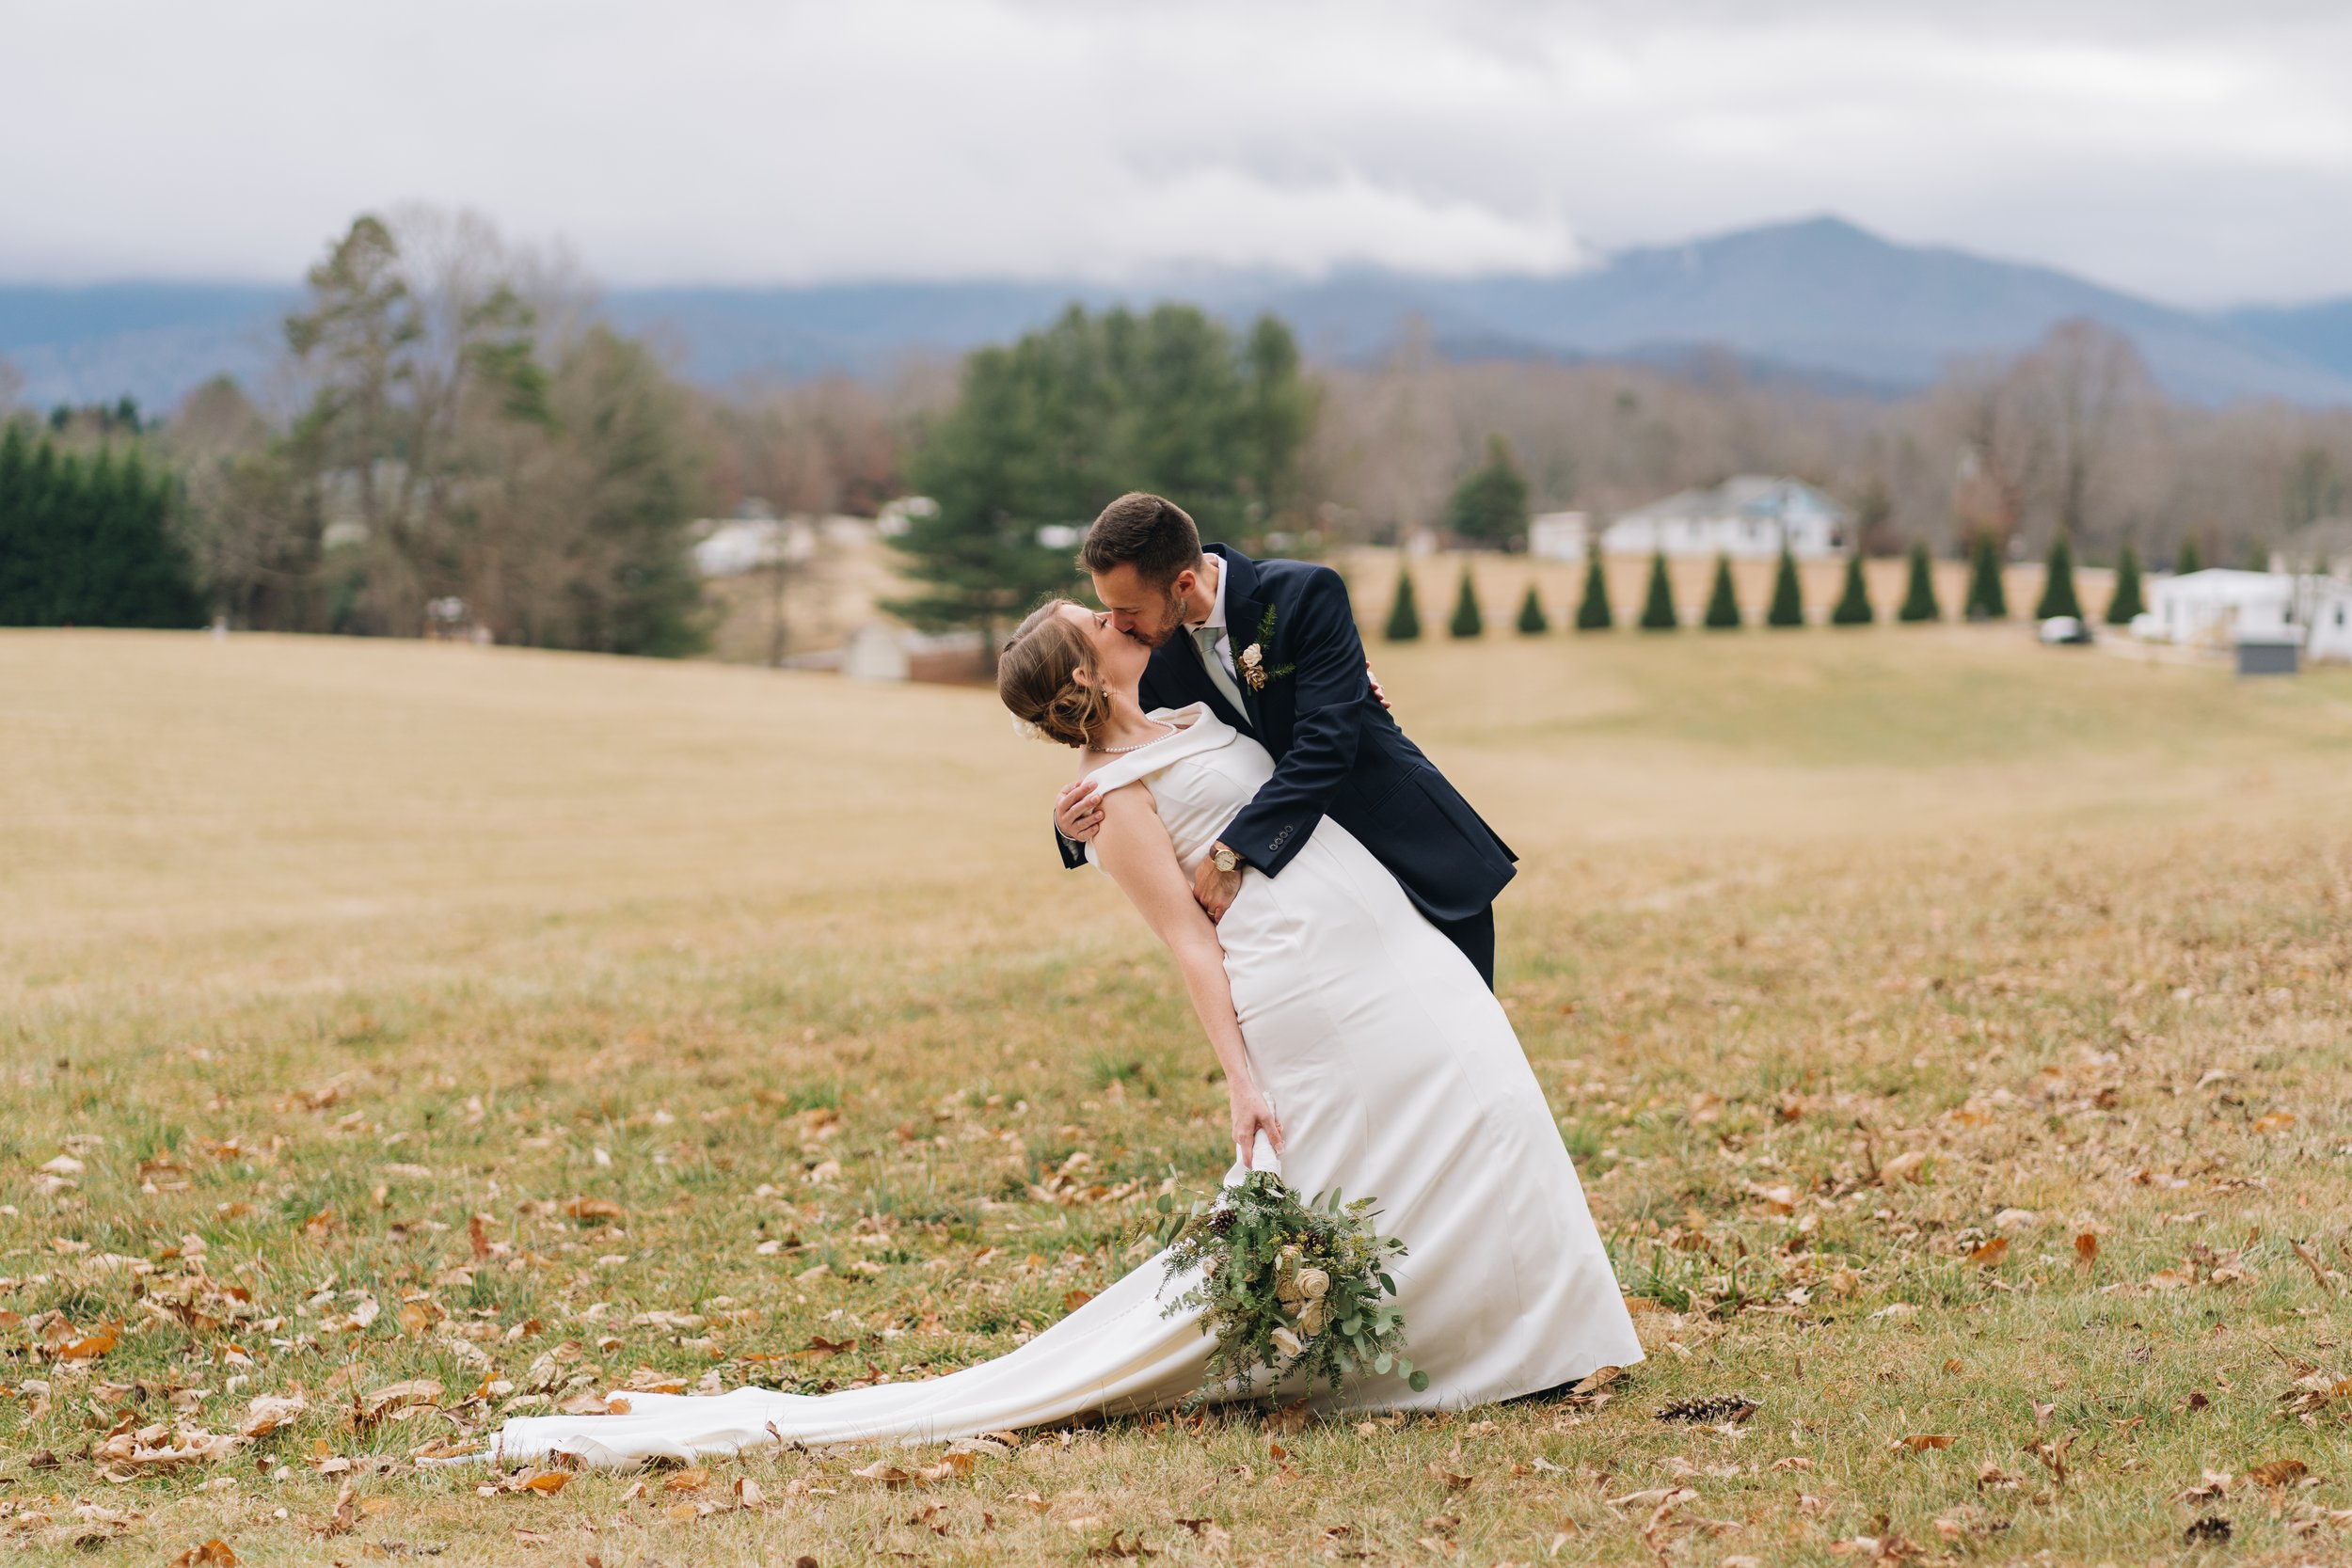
(1133, 846)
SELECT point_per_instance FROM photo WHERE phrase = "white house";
(1559, 535)
(876, 652)
(1753, 514)
(728, 548)
(897, 517)
(2216, 608)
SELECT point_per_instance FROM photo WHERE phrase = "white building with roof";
(2219, 608)
(1751, 515)
(1559, 535)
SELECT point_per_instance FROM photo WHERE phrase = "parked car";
(2063, 630)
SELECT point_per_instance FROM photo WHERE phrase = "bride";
(1361, 1052)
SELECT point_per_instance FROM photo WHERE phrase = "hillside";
(1819, 300)
(2320, 333)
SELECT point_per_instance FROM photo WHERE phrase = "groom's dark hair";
(1149, 532)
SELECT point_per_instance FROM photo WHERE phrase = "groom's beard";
(1172, 619)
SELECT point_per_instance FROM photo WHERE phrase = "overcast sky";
(2199, 152)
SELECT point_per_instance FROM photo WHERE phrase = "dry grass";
(1844, 958)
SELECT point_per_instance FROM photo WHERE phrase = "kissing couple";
(1327, 898)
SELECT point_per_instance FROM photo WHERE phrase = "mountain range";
(1817, 300)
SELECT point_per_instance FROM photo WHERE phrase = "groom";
(1271, 646)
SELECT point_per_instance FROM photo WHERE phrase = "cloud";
(2192, 151)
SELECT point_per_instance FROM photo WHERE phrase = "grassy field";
(1951, 1033)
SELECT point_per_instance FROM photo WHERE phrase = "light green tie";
(1205, 638)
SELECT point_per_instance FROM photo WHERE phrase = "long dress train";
(1396, 1075)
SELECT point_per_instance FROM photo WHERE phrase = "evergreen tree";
(1467, 621)
(1787, 595)
(1489, 506)
(2058, 583)
(1403, 615)
(1722, 604)
(1919, 593)
(2188, 559)
(1532, 620)
(16, 539)
(1049, 429)
(1658, 610)
(2128, 600)
(88, 543)
(28, 573)
(1988, 597)
(1592, 612)
(1854, 604)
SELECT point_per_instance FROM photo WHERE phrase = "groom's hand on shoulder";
(1078, 812)
(1377, 692)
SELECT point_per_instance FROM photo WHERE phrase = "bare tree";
(2086, 380)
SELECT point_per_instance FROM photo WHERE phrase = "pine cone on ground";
(1710, 1408)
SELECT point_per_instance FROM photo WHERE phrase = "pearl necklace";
(1166, 729)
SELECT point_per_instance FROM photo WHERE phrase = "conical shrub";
(1403, 615)
(1988, 597)
(1919, 593)
(1467, 621)
(1854, 604)
(1722, 603)
(1592, 612)
(2058, 583)
(1787, 595)
(1532, 620)
(2190, 560)
(2128, 600)
(1657, 610)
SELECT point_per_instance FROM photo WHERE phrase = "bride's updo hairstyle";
(1036, 678)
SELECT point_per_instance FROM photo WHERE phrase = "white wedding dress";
(1395, 1075)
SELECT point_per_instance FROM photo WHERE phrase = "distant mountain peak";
(1817, 298)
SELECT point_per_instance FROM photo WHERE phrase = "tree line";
(450, 423)
(449, 419)
(1986, 597)
(2068, 435)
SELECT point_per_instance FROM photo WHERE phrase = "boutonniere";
(1254, 668)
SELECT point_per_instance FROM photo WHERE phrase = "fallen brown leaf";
(94, 1344)
(2279, 1472)
(266, 1413)
(1909, 1166)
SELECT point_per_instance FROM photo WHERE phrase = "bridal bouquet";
(1290, 1286)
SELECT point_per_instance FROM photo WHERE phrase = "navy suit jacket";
(1337, 752)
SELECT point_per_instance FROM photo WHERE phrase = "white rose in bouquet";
(1288, 1343)
(1312, 1283)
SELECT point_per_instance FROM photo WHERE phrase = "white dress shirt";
(1216, 618)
